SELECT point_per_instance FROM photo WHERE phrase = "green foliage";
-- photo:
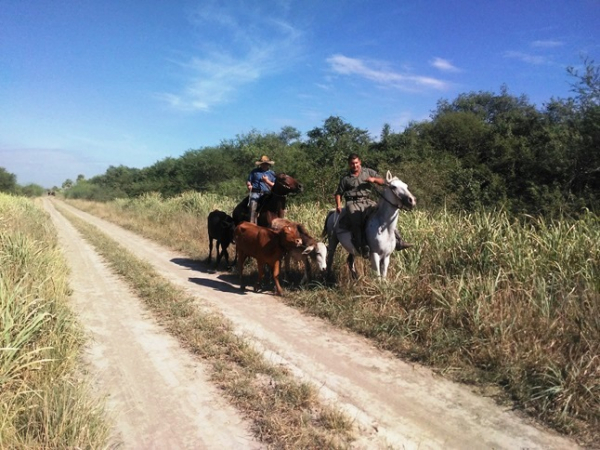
(31, 190)
(90, 191)
(480, 150)
(8, 181)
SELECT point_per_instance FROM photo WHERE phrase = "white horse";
(379, 228)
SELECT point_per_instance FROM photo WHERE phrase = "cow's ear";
(308, 249)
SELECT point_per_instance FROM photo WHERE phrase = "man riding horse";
(260, 181)
(354, 187)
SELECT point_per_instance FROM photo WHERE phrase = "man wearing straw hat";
(260, 181)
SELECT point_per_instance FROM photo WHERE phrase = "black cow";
(220, 227)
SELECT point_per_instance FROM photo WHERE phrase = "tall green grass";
(484, 298)
(42, 405)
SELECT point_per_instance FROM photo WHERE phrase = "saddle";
(344, 222)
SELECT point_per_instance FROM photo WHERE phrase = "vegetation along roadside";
(483, 298)
(44, 402)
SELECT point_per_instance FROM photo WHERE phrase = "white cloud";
(351, 66)
(547, 44)
(444, 65)
(239, 46)
(526, 57)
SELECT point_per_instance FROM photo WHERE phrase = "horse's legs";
(210, 247)
(384, 266)
(332, 245)
(376, 263)
(351, 266)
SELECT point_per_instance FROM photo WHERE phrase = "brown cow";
(311, 249)
(266, 246)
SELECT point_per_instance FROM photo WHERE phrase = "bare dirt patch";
(161, 397)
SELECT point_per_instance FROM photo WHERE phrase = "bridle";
(280, 184)
(380, 193)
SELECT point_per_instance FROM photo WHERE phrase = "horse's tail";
(324, 233)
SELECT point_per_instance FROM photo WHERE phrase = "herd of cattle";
(283, 239)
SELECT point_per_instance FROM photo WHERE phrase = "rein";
(380, 193)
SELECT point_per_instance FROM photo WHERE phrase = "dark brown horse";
(270, 206)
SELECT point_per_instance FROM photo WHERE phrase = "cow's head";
(318, 253)
(289, 237)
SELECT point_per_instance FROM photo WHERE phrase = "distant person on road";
(260, 181)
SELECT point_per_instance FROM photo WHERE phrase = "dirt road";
(162, 400)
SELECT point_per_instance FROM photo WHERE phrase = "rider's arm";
(267, 181)
(376, 179)
(338, 203)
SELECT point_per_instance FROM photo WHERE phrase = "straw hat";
(264, 159)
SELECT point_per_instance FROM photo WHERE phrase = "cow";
(311, 248)
(265, 245)
(220, 228)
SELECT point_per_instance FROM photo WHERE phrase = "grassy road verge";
(44, 402)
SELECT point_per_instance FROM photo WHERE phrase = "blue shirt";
(255, 178)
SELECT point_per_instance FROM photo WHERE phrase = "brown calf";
(311, 249)
(266, 246)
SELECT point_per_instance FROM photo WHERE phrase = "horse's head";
(285, 184)
(401, 196)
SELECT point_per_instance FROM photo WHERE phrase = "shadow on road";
(227, 281)
(218, 285)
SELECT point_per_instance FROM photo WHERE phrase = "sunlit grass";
(481, 297)
(42, 403)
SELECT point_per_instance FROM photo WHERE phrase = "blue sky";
(86, 84)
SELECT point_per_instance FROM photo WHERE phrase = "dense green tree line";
(482, 149)
(8, 184)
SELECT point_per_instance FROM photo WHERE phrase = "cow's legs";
(276, 277)
(225, 253)
(219, 253)
(286, 266)
(306, 277)
(241, 260)
(210, 247)
(261, 273)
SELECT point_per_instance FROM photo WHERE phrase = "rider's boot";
(359, 244)
(365, 250)
(400, 244)
(253, 205)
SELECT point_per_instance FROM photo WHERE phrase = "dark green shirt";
(351, 187)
